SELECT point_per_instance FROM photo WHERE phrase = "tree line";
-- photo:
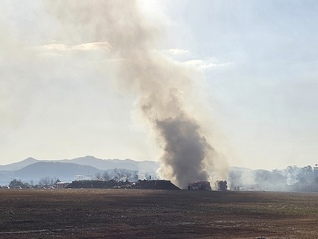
(106, 175)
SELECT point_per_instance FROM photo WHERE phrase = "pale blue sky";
(265, 88)
(259, 59)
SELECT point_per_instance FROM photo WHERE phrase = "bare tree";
(17, 183)
(47, 181)
(98, 176)
(106, 176)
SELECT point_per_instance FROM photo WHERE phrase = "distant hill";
(33, 169)
(63, 171)
(104, 164)
(18, 165)
(38, 170)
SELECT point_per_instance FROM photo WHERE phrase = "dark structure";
(221, 185)
(140, 184)
(155, 184)
(200, 185)
(98, 184)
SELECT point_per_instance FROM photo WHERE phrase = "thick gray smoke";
(185, 149)
(164, 88)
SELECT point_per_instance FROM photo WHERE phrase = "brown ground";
(103, 213)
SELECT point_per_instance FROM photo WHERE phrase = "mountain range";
(32, 169)
(67, 170)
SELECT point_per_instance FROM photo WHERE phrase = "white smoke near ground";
(292, 178)
(164, 89)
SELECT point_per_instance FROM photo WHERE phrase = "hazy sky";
(59, 97)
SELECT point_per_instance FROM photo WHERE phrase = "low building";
(60, 185)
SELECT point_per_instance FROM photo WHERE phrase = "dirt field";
(103, 213)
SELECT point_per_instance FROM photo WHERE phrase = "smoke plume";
(164, 88)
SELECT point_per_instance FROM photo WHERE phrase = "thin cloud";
(201, 64)
(81, 47)
(92, 46)
(178, 52)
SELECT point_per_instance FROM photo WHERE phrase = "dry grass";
(102, 213)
